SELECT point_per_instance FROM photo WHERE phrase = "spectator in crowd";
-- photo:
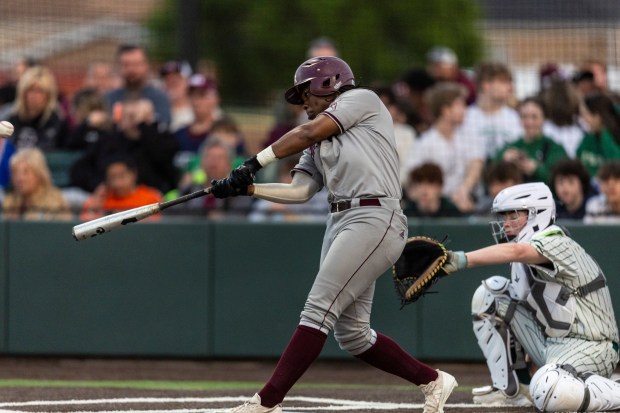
(491, 120)
(205, 101)
(571, 183)
(227, 130)
(286, 118)
(101, 77)
(443, 66)
(561, 101)
(605, 207)
(216, 160)
(601, 142)
(548, 74)
(313, 210)
(534, 153)
(119, 192)
(599, 74)
(583, 80)
(33, 195)
(6, 152)
(411, 87)
(91, 118)
(8, 91)
(137, 135)
(224, 130)
(498, 175)
(596, 72)
(322, 46)
(175, 76)
(404, 132)
(424, 194)
(36, 116)
(460, 158)
(136, 82)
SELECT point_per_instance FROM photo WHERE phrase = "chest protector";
(553, 303)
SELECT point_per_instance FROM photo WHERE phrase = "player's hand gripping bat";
(108, 223)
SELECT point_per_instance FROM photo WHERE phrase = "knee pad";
(355, 340)
(555, 389)
(483, 301)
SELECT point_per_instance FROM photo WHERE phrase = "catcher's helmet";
(325, 74)
(536, 198)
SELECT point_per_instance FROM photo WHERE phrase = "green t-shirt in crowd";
(595, 149)
(543, 150)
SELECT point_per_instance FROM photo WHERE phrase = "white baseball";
(6, 129)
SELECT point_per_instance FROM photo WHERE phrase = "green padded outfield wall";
(4, 258)
(223, 289)
(141, 291)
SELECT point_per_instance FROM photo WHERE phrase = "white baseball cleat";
(254, 406)
(437, 392)
(491, 396)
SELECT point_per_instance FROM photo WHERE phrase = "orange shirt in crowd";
(143, 195)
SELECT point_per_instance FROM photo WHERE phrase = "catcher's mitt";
(418, 268)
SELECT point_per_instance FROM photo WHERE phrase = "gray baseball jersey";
(363, 241)
(362, 161)
(592, 341)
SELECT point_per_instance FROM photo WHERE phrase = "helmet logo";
(337, 85)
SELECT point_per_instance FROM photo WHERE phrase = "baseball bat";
(105, 224)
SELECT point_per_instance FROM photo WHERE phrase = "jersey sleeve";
(307, 166)
(560, 249)
(353, 107)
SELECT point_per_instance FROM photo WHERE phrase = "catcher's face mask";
(508, 224)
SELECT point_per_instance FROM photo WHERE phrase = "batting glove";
(223, 188)
(245, 174)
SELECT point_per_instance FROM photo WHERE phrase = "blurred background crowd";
(142, 123)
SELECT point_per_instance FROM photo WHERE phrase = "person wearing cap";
(204, 100)
(443, 65)
(175, 78)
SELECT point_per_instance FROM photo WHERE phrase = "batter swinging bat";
(108, 223)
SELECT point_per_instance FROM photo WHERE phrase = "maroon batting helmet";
(325, 74)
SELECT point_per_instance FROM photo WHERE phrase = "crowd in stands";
(140, 134)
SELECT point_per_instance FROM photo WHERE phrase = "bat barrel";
(105, 224)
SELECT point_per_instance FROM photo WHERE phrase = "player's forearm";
(504, 254)
(299, 191)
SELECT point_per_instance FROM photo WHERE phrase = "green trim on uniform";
(555, 232)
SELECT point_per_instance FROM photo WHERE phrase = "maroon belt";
(344, 205)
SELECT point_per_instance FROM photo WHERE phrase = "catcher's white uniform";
(591, 343)
(577, 331)
(558, 312)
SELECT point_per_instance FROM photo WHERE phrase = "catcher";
(556, 308)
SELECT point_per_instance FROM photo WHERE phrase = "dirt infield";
(107, 385)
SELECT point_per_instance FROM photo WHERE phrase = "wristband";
(461, 260)
(266, 156)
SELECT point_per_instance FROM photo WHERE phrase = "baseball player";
(556, 308)
(348, 146)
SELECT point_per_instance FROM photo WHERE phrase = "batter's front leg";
(361, 250)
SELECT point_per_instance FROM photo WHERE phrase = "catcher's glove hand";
(418, 268)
